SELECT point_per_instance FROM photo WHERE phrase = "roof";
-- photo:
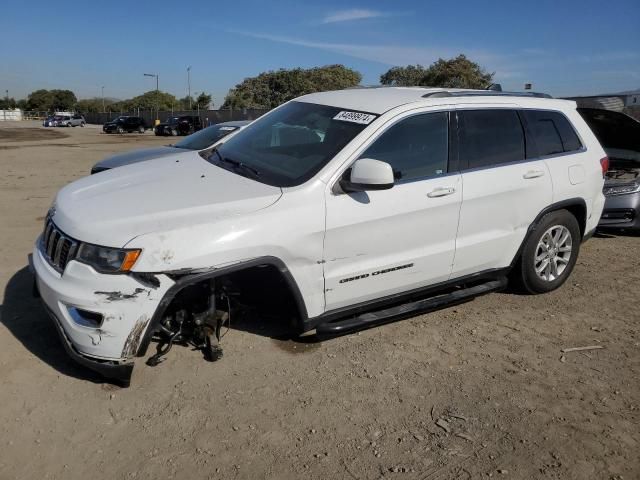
(382, 99)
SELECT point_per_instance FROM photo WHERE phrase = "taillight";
(604, 163)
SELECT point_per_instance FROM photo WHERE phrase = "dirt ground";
(473, 391)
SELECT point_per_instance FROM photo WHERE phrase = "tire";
(174, 132)
(82, 124)
(140, 129)
(120, 130)
(550, 252)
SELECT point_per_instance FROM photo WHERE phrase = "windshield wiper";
(211, 153)
(235, 163)
(238, 164)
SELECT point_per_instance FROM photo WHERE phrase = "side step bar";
(371, 319)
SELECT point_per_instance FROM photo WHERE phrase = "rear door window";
(552, 133)
(490, 138)
(416, 147)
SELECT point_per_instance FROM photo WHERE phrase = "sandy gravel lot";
(474, 391)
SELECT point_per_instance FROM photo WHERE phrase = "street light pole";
(157, 92)
(189, 84)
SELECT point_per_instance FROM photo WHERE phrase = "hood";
(172, 192)
(134, 156)
(621, 158)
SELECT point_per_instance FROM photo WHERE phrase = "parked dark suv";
(124, 124)
(180, 125)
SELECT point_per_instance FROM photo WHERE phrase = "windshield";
(173, 120)
(205, 138)
(288, 146)
(119, 119)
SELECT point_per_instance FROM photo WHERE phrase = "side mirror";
(368, 174)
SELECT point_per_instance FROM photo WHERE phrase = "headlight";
(621, 189)
(108, 260)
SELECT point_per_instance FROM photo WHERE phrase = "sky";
(562, 47)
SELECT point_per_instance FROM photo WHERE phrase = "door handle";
(441, 192)
(533, 174)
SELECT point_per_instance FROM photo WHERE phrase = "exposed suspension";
(197, 320)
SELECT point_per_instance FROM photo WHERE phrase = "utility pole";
(157, 94)
(102, 99)
(189, 85)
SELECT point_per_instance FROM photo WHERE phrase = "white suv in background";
(346, 209)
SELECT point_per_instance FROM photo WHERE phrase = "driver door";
(384, 242)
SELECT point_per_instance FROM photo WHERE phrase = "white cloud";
(385, 54)
(352, 14)
(511, 69)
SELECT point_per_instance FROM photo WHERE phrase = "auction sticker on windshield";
(355, 117)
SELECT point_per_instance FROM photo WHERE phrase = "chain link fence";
(207, 117)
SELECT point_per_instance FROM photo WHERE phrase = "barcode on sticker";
(355, 117)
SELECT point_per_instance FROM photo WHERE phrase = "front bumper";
(621, 211)
(125, 305)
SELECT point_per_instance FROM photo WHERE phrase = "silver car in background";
(76, 120)
(619, 135)
(196, 141)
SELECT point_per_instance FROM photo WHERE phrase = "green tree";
(63, 100)
(186, 103)
(39, 100)
(203, 101)
(7, 103)
(458, 72)
(270, 89)
(51, 100)
(93, 105)
(149, 100)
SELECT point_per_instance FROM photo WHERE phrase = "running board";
(371, 319)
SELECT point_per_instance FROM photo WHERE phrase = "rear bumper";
(621, 211)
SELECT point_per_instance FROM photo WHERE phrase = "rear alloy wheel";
(140, 129)
(174, 132)
(82, 124)
(120, 130)
(550, 252)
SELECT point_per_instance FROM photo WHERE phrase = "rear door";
(503, 190)
(378, 243)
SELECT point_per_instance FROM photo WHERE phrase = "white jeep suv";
(346, 208)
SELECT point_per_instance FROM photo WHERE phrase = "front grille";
(56, 247)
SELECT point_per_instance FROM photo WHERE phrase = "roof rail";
(484, 93)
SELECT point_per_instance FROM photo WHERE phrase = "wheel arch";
(191, 277)
(576, 206)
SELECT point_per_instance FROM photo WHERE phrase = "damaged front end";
(622, 196)
(101, 318)
(105, 328)
(195, 317)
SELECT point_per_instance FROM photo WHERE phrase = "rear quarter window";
(552, 133)
(490, 137)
